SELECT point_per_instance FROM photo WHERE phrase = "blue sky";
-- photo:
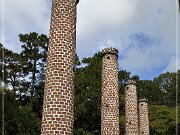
(144, 32)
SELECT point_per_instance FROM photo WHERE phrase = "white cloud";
(97, 16)
(104, 23)
(97, 19)
(24, 16)
(99, 25)
(20, 14)
(173, 65)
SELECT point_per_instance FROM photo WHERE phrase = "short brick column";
(143, 117)
(110, 95)
(58, 105)
(131, 116)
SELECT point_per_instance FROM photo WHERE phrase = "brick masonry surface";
(59, 89)
(143, 117)
(110, 96)
(131, 116)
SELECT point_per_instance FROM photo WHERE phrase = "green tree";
(18, 120)
(122, 124)
(87, 95)
(162, 120)
(166, 83)
(10, 68)
(147, 89)
(81, 131)
(34, 53)
(123, 75)
(23, 113)
(178, 86)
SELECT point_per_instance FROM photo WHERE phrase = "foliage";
(87, 95)
(159, 91)
(166, 83)
(10, 68)
(121, 124)
(24, 73)
(81, 131)
(34, 53)
(18, 120)
(162, 120)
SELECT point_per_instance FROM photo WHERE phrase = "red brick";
(59, 73)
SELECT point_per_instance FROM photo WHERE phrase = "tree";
(147, 89)
(162, 120)
(178, 86)
(166, 83)
(34, 53)
(10, 67)
(25, 73)
(87, 95)
(81, 131)
(123, 75)
(18, 120)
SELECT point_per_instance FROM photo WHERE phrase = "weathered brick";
(143, 117)
(110, 95)
(59, 88)
(131, 116)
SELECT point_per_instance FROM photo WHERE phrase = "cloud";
(97, 19)
(144, 32)
(123, 16)
(24, 16)
(95, 16)
(173, 65)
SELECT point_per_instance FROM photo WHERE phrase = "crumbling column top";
(128, 82)
(143, 100)
(109, 50)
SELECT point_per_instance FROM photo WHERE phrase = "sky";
(144, 32)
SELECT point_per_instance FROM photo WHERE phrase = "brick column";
(131, 117)
(143, 117)
(57, 116)
(110, 95)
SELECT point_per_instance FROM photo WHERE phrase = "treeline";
(23, 76)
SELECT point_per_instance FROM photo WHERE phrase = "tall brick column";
(131, 116)
(59, 89)
(110, 96)
(143, 117)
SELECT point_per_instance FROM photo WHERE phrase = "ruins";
(58, 104)
(143, 117)
(131, 115)
(110, 93)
